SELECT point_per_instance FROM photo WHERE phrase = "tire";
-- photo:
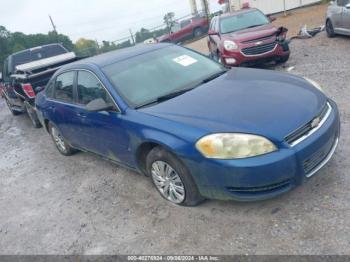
(33, 117)
(330, 29)
(13, 112)
(197, 32)
(217, 57)
(169, 175)
(63, 147)
(283, 59)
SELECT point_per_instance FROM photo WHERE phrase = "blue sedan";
(197, 129)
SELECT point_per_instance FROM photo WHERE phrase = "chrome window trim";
(86, 70)
(325, 161)
(328, 113)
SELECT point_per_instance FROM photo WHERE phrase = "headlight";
(314, 83)
(230, 45)
(234, 146)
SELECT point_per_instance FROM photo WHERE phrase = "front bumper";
(267, 176)
(241, 59)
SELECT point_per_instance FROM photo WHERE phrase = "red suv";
(186, 29)
(246, 37)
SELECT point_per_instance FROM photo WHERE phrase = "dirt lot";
(51, 204)
(312, 16)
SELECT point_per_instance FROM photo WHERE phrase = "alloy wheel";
(57, 137)
(168, 182)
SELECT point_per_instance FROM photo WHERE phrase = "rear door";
(101, 132)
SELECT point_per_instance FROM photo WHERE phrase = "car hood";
(262, 102)
(251, 33)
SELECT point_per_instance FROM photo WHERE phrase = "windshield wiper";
(182, 91)
(212, 77)
(165, 97)
(253, 26)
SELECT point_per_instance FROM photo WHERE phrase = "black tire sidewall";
(34, 119)
(329, 29)
(192, 195)
(197, 32)
(13, 112)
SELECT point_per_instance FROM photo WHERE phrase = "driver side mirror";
(98, 105)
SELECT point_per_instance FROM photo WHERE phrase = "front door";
(101, 132)
(346, 18)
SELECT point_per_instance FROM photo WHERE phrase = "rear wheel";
(217, 57)
(63, 147)
(197, 32)
(13, 112)
(33, 116)
(171, 178)
(330, 29)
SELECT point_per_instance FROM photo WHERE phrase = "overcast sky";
(94, 19)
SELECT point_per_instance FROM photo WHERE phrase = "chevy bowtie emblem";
(315, 122)
(259, 43)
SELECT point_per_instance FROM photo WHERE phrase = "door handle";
(81, 115)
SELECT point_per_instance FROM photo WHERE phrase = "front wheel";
(330, 29)
(171, 178)
(283, 59)
(63, 147)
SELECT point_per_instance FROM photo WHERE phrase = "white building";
(272, 6)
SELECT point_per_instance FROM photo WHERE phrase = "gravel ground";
(51, 204)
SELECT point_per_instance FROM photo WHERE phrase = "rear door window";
(64, 87)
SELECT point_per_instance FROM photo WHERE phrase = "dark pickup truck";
(26, 73)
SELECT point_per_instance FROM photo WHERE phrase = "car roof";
(238, 12)
(116, 55)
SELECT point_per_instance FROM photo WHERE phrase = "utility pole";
(98, 46)
(205, 6)
(54, 28)
(53, 25)
(132, 37)
(284, 8)
(193, 5)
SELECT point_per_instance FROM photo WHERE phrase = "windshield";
(147, 77)
(242, 21)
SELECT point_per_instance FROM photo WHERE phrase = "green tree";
(169, 20)
(86, 47)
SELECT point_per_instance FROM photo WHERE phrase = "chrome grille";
(258, 39)
(260, 49)
(298, 134)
